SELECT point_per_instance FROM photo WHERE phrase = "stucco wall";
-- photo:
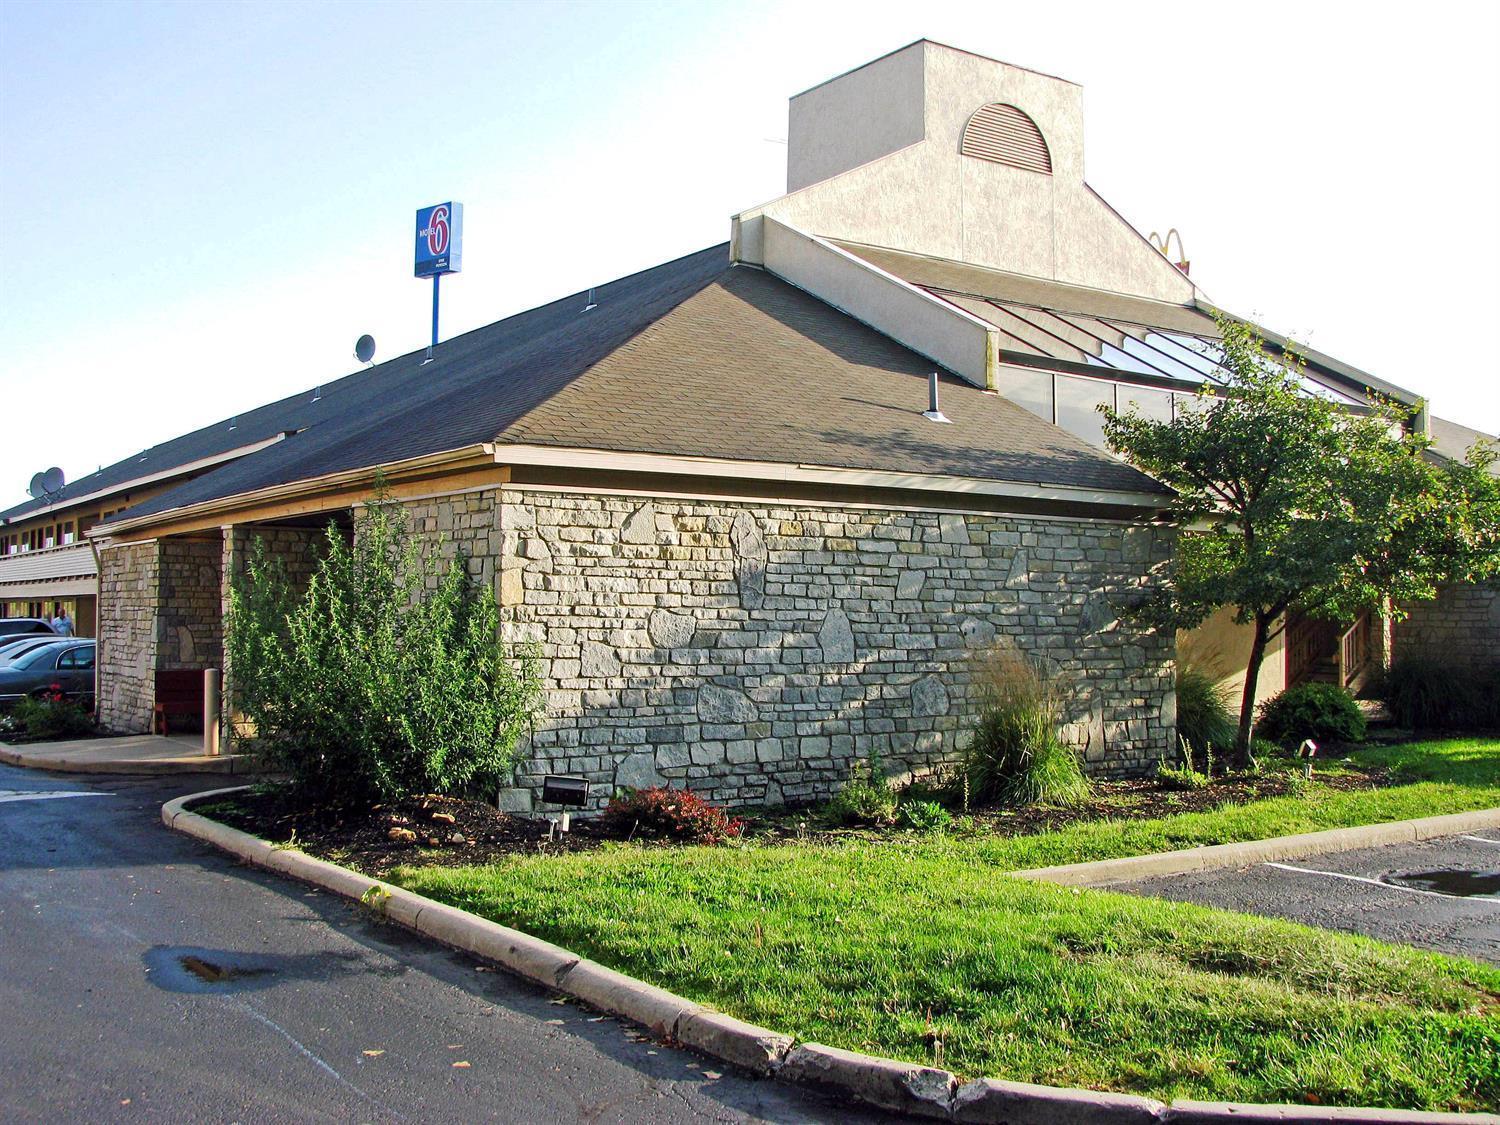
(1461, 625)
(752, 651)
(928, 198)
(1223, 647)
(128, 587)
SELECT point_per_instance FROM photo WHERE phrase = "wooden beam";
(402, 487)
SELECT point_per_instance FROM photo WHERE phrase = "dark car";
(13, 648)
(15, 626)
(64, 668)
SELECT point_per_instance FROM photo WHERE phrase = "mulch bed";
(452, 832)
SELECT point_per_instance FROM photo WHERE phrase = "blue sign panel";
(440, 239)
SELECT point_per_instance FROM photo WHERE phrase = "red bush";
(668, 813)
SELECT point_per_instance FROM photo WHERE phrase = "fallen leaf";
(712, 1074)
(556, 1023)
(373, 1054)
(559, 1001)
(460, 1066)
(454, 1046)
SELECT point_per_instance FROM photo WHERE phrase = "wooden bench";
(179, 700)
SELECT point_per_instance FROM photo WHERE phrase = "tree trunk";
(1242, 758)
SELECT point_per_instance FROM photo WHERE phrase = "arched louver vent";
(1005, 134)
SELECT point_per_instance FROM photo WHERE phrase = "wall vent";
(1006, 135)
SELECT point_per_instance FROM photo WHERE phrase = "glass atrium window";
(1029, 388)
(1078, 400)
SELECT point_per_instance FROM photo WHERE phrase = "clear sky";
(206, 203)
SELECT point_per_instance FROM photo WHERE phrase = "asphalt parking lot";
(1350, 891)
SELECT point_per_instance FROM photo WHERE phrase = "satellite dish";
(364, 348)
(35, 489)
(53, 480)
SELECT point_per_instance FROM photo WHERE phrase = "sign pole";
(439, 246)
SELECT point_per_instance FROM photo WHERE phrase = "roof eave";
(573, 457)
(481, 453)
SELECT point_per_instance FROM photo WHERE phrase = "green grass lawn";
(921, 948)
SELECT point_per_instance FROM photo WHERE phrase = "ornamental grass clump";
(1427, 694)
(1204, 719)
(386, 676)
(1016, 756)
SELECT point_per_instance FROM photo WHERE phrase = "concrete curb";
(235, 764)
(900, 1087)
(1101, 873)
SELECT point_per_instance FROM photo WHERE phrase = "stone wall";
(464, 522)
(752, 651)
(189, 622)
(128, 581)
(1461, 625)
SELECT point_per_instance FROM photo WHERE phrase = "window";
(77, 659)
(1029, 388)
(43, 658)
(1004, 134)
(1148, 401)
(1078, 401)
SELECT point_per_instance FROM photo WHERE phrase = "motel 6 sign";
(440, 239)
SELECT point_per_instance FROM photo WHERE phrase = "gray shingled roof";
(695, 357)
(1453, 441)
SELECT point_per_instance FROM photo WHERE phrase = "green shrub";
(1321, 712)
(1015, 756)
(1425, 694)
(1180, 778)
(866, 798)
(386, 677)
(50, 717)
(923, 816)
(1204, 717)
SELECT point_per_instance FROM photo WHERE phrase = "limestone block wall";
(127, 636)
(752, 651)
(466, 522)
(189, 622)
(1461, 625)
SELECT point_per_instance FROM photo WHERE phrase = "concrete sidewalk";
(133, 754)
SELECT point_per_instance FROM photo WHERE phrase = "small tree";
(1294, 502)
(387, 676)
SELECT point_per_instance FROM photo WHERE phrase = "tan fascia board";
(772, 472)
(263, 503)
(150, 478)
(951, 337)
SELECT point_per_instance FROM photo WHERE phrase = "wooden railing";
(1354, 649)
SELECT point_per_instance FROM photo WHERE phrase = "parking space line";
(1374, 882)
(47, 795)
